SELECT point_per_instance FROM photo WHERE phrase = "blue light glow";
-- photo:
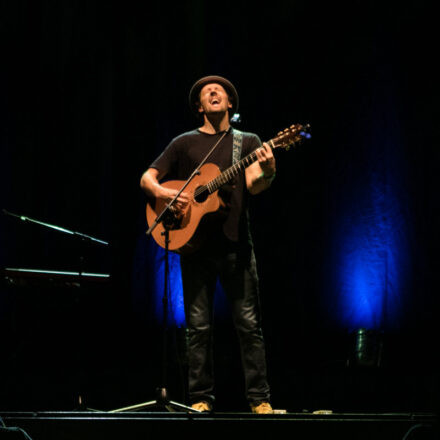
(372, 260)
(176, 312)
(176, 309)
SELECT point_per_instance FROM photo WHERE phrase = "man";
(227, 252)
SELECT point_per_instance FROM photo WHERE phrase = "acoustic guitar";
(182, 225)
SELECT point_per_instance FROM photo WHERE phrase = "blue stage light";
(373, 260)
(176, 311)
(176, 308)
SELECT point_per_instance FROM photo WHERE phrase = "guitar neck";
(232, 171)
(285, 139)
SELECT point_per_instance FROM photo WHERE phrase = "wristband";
(267, 178)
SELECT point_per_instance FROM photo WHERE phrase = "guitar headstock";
(293, 135)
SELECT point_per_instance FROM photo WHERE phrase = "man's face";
(214, 99)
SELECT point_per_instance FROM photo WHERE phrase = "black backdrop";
(91, 92)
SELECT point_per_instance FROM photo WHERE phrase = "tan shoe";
(202, 406)
(261, 408)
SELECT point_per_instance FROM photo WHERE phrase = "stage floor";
(86, 425)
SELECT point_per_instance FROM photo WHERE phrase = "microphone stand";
(162, 399)
(80, 235)
(80, 274)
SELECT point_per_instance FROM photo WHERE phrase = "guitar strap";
(236, 145)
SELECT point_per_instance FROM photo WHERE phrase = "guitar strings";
(226, 175)
(232, 171)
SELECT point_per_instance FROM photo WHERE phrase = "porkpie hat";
(194, 94)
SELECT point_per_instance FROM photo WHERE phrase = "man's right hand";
(168, 194)
(150, 184)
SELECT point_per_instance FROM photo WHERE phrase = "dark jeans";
(235, 266)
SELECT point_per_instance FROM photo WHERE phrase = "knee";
(199, 333)
(248, 327)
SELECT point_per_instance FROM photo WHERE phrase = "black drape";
(91, 92)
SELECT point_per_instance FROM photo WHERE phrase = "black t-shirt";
(184, 154)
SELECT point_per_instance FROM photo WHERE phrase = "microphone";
(236, 118)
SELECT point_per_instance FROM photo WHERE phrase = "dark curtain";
(91, 92)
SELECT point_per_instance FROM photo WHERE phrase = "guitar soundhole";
(200, 194)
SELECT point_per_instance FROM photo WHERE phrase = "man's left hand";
(266, 160)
